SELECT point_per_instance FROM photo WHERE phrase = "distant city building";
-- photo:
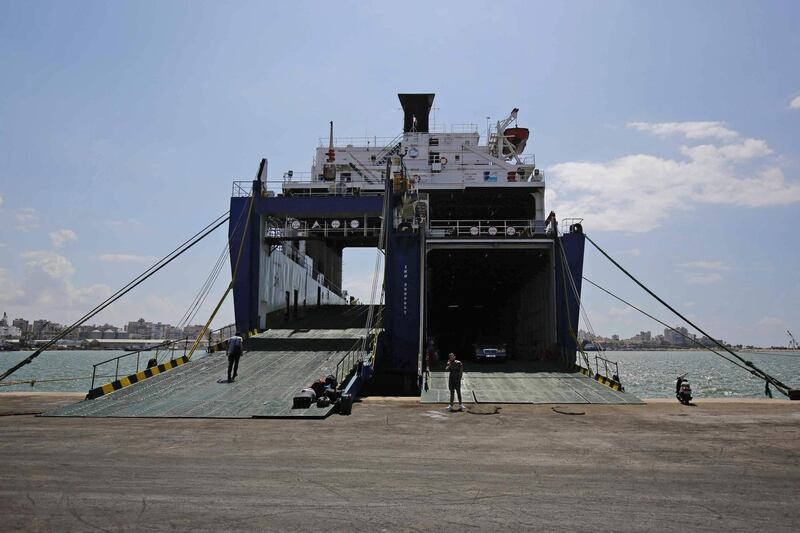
(22, 324)
(8, 331)
(192, 331)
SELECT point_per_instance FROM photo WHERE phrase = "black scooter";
(683, 391)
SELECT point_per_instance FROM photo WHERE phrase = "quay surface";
(399, 465)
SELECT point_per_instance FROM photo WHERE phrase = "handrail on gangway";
(137, 353)
(607, 365)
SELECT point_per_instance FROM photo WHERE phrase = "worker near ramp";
(455, 370)
(234, 353)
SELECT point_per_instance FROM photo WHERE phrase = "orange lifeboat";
(518, 137)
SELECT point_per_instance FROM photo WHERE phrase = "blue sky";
(669, 126)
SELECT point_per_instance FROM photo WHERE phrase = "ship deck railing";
(378, 143)
(420, 180)
(488, 229)
(244, 189)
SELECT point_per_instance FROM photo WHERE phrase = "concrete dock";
(398, 465)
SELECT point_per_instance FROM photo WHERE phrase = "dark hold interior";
(500, 294)
(497, 204)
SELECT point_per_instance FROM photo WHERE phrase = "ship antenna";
(331, 151)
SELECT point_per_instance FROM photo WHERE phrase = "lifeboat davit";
(518, 137)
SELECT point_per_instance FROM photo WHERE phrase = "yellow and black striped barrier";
(609, 382)
(616, 385)
(121, 383)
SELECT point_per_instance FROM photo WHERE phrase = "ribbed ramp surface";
(265, 387)
(276, 364)
(526, 387)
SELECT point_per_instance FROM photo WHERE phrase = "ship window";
(345, 176)
(372, 158)
(458, 157)
(433, 141)
(433, 157)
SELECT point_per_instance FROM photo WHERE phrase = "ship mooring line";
(158, 265)
(205, 290)
(233, 276)
(687, 337)
(783, 388)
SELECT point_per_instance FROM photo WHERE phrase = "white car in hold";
(489, 350)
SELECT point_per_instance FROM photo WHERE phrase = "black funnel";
(416, 106)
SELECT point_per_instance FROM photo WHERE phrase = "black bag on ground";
(323, 401)
(304, 399)
(331, 393)
(345, 404)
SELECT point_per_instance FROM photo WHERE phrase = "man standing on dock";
(234, 353)
(456, 370)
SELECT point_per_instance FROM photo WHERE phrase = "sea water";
(652, 374)
(75, 368)
(647, 374)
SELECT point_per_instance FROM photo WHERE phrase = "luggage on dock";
(345, 404)
(319, 387)
(323, 401)
(331, 393)
(304, 399)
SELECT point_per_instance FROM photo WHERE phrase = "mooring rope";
(158, 265)
(783, 388)
(233, 276)
(687, 337)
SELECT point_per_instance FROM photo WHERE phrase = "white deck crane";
(792, 341)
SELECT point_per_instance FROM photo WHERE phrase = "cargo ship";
(472, 258)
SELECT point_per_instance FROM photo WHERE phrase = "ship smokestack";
(416, 110)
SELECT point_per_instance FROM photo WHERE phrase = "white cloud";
(690, 130)
(703, 279)
(26, 219)
(703, 272)
(795, 103)
(770, 322)
(60, 237)
(126, 224)
(125, 258)
(54, 265)
(705, 265)
(748, 149)
(619, 311)
(9, 289)
(639, 192)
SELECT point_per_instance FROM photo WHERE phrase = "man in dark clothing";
(234, 353)
(456, 371)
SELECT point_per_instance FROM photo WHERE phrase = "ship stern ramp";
(509, 295)
(274, 367)
(524, 384)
